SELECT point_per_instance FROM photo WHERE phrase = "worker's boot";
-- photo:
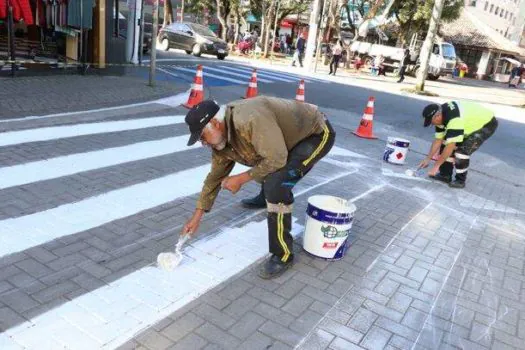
(257, 202)
(274, 267)
(457, 184)
(442, 178)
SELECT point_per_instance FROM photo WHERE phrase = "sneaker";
(274, 267)
(442, 178)
(457, 184)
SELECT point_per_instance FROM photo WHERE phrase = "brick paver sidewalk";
(26, 96)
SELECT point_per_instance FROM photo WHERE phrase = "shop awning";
(512, 60)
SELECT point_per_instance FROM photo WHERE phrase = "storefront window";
(471, 57)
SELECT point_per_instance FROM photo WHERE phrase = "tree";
(413, 16)
(197, 7)
(168, 14)
(267, 10)
(427, 45)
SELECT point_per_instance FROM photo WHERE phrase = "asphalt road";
(401, 113)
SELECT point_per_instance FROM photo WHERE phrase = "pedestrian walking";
(299, 50)
(281, 143)
(461, 128)
(337, 52)
(404, 63)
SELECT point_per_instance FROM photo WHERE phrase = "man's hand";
(192, 225)
(234, 183)
(424, 163)
(433, 171)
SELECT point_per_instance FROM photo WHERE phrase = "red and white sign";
(330, 245)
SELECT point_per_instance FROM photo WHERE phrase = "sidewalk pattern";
(88, 205)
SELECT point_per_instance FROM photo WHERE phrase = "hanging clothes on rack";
(22, 11)
(3, 9)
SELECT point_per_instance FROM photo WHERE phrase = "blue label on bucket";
(328, 216)
(402, 144)
(388, 152)
(342, 250)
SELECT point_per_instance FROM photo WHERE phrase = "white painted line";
(18, 234)
(364, 194)
(245, 75)
(168, 72)
(390, 173)
(212, 75)
(181, 97)
(305, 338)
(76, 163)
(276, 74)
(58, 132)
(259, 73)
(338, 151)
(109, 316)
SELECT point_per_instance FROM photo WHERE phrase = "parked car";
(194, 38)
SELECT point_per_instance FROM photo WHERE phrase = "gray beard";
(220, 146)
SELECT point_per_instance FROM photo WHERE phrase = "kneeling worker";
(281, 140)
(461, 128)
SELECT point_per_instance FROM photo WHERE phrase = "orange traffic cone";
(252, 85)
(299, 96)
(367, 122)
(197, 90)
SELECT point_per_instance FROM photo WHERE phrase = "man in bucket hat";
(461, 128)
(280, 140)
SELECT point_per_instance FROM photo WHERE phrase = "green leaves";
(413, 16)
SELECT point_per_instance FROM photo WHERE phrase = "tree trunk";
(427, 45)
(168, 13)
(222, 20)
(236, 28)
(269, 19)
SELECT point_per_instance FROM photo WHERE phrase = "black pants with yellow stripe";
(460, 159)
(278, 187)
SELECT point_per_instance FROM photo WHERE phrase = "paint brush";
(414, 173)
(168, 261)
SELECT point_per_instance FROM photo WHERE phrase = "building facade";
(507, 17)
(486, 51)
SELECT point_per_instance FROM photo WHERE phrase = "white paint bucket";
(328, 223)
(396, 150)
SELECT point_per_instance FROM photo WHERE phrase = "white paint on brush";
(72, 164)
(59, 132)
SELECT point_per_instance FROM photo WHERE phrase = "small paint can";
(328, 223)
(396, 150)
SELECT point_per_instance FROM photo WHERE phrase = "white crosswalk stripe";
(106, 317)
(259, 73)
(58, 132)
(262, 80)
(233, 74)
(273, 74)
(72, 164)
(220, 77)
